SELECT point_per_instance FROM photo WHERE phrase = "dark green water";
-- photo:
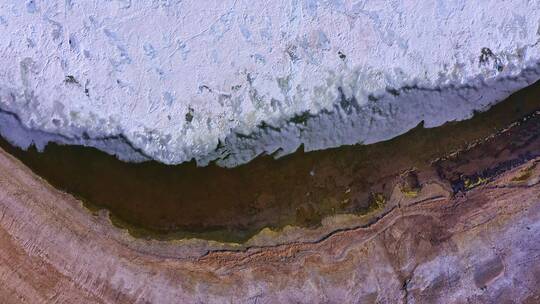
(164, 202)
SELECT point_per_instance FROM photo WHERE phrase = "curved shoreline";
(320, 190)
(51, 248)
(389, 115)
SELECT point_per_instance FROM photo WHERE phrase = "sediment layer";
(477, 246)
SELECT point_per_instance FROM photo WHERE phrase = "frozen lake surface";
(232, 79)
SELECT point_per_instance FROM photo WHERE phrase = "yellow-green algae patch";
(475, 182)
(524, 174)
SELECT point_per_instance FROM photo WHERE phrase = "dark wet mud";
(164, 202)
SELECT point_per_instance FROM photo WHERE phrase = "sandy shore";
(477, 246)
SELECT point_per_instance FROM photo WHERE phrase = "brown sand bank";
(479, 246)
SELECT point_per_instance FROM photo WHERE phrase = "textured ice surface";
(228, 80)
